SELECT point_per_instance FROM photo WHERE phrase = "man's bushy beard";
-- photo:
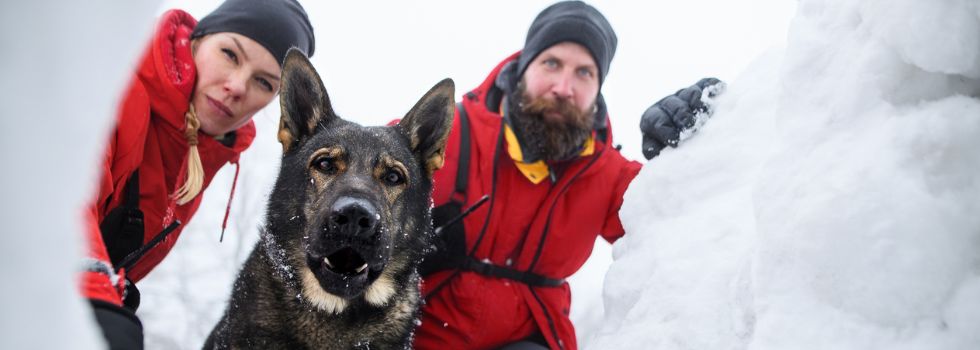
(544, 139)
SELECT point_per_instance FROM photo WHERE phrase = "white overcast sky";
(378, 57)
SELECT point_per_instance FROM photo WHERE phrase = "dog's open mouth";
(347, 271)
(346, 261)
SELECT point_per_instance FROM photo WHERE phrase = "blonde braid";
(195, 171)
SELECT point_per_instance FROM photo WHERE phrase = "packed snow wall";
(832, 202)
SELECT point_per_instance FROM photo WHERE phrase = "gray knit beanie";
(573, 21)
(277, 25)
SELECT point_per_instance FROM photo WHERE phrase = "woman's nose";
(236, 84)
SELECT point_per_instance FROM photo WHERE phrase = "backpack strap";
(527, 277)
(463, 165)
(132, 196)
(122, 227)
(450, 241)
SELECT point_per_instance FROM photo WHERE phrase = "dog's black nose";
(354, 216)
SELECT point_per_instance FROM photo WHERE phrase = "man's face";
(565, 71)
(557, 107)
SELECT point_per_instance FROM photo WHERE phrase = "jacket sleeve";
(123, 154)
(613, 228)
(98, 277)
(99, 281)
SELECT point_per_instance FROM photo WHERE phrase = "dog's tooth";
(359, 269)
(327, 261)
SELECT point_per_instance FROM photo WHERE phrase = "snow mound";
(831, 203)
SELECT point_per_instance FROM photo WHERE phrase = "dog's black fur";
(347, 224)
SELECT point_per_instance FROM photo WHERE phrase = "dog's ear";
(427, 124)
(302, 99)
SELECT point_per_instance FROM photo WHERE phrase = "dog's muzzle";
(350, 251)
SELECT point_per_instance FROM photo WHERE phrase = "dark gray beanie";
(573, 21)
(277, 25)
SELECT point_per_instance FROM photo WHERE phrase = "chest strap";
(529, 278)
(463, 167)
(122, 227)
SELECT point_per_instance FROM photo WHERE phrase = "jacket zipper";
(540, 248)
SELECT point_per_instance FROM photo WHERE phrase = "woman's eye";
(230, 54)
(265, 84)
(326, 164)
(393, 178)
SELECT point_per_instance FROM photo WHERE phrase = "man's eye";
(551, 63)
(393, 177)
(585, 73)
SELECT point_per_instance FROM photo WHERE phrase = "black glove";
(663, 122)
(448, 249)
(120, 326)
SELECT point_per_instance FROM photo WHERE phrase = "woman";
(186, 113)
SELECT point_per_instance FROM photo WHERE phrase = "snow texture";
(62, 67)
(831, 202)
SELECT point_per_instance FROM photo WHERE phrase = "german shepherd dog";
(347, 223)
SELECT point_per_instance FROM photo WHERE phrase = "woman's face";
(236, 77)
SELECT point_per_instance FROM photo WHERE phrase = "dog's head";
(350, 211)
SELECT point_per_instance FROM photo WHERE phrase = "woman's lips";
(220, 107)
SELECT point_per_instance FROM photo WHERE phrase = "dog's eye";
(393, 177)
(326, 164)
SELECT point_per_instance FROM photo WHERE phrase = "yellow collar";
(537, 171)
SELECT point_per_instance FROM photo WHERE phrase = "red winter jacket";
(474, 311)
(149, 136)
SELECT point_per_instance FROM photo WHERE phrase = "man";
(535, 138)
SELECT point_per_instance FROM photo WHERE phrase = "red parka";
(563, 219)
(149, 136)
